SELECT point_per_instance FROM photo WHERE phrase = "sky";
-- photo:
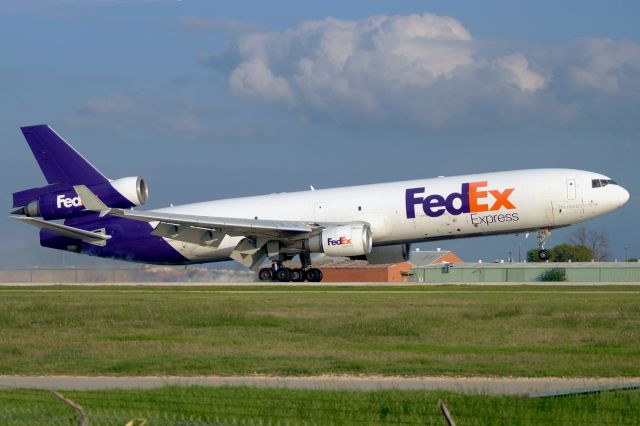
(210, 100)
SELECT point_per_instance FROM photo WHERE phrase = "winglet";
(91, 201)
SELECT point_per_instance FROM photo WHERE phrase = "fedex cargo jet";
(374, 222)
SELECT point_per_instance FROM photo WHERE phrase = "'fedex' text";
(339, 242)
(61, 200)
(472, 198)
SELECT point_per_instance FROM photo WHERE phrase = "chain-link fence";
(245, 406)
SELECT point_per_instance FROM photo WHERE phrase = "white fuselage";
(427, 209)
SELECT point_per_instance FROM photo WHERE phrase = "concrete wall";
(574, 272)
(154, 274)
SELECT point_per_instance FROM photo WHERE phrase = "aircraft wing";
(232, 226)
(66, 231)
(210, 231)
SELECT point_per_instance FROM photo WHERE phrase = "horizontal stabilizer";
(90, 200)
(66, 231)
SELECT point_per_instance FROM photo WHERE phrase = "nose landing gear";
(542, 236)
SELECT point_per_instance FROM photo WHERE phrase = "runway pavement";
(272, 285)
(483, 385)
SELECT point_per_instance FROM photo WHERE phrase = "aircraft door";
(571, 189)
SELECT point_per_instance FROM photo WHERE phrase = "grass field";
(246, 406)
(413, 330)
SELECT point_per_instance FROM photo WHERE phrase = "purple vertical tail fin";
(58, 160)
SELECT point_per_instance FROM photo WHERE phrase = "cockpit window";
(598, 183)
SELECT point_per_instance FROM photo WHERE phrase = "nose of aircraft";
(622, 196)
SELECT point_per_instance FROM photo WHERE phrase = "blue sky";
(219, 99)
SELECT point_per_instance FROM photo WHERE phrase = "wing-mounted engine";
(343, 240)
(60, 201)
(386, 254)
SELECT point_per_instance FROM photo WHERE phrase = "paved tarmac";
(483, 385)
(321, 284)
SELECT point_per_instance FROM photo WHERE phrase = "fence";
(250, 406)
(149, 274)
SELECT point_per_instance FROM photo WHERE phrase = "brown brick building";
(361, 271)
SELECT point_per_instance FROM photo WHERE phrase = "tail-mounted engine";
(58, 201)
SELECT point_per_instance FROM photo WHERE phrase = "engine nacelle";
(133, 188)
(343, 240)
(64, 203)
(386, 254)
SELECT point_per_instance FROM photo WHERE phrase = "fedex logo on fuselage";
(472, 198)
(339, 242)
(67, 202)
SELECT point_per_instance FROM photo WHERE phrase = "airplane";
(376, 222)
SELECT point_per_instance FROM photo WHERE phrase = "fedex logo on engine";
(67, 202)
(339, 242)
(472, 198)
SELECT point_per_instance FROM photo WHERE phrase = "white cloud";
(254, 79)
(423, 70)
(604, 65)
(380, 67)
(520, 74)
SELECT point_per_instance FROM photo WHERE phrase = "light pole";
(519, 252)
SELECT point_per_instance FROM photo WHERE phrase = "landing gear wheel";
(314, 275)
(283, 275)
(543, 254)
(265, 274)
(297, 275)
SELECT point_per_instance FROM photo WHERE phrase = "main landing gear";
(277, 272)
(543, 234)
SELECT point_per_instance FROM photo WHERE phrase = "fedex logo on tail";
(472, 198)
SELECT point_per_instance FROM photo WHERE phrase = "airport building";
(360, 271)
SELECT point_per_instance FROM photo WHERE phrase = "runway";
(267, 285)
(481, 385)
(632, 288)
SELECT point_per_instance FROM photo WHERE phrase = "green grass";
(411, 330)
(198, 405)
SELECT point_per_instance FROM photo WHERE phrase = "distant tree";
(580, 236)
(571, 252)
(564, 253)
(597, 241)
(632, 259)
